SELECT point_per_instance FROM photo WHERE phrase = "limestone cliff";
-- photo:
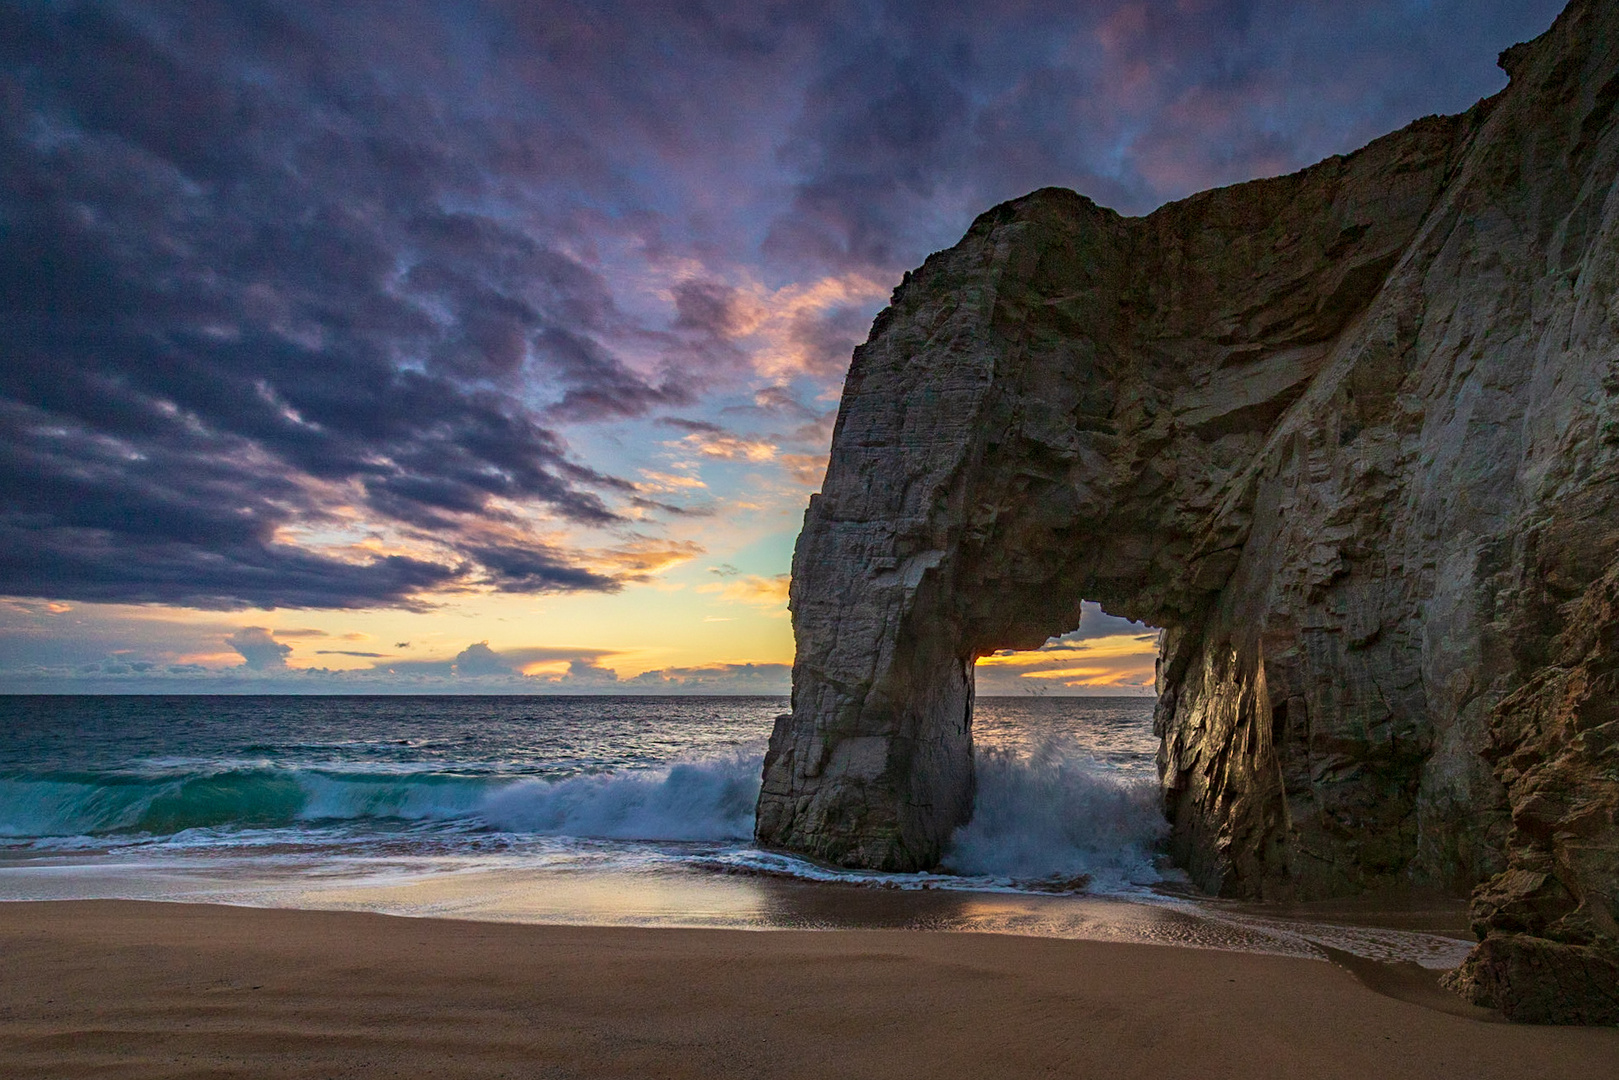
(1351, 436)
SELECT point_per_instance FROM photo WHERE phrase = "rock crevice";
(1351, 436)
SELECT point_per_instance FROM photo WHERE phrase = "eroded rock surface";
(1351, 436)
(1547, 925)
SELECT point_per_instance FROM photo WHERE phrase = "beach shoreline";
(143, 989)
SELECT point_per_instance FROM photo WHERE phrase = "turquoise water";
(201, 771)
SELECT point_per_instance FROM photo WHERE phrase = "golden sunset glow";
(1117, 662)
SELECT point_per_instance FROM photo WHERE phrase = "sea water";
(616, 810)
(1065, 787)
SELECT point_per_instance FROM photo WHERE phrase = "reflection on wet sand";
(682, 896)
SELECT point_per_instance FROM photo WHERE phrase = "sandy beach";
(128, 989)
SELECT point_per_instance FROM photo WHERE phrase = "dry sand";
(125, 989)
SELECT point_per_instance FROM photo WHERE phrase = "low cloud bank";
(477, 669)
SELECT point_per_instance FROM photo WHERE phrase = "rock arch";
(1346, 434)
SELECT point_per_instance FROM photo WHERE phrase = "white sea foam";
(1054, 813)
(711, 799)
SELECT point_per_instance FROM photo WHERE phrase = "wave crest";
(1055, 813)
(698, 800)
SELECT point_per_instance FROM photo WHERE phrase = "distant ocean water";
(600, 810)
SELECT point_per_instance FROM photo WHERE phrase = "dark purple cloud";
(918, 116)
(234, 279)
(273, 274)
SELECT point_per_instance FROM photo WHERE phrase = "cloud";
(496, 670)
(670, 482)
(713, 309)
(260, 651)
(879, 128)
(641, 557)
(585, 672)
(113, 565)
(806, 469)
(477, 668)
(1104, 654)
(25, 606)
(480, 659)
(711, 440)
(782, 400)
(310, 305)
(713, 679)
(925, 114)
(765, 592)
(530, 568)
(247, 287)
(801, 328)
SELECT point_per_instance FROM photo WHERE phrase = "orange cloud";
(770, 323)
(1117, 661)
(806, 469)
(1114, 647)
(644, 556)
(765, 592)
(668, 483)
(729, 447)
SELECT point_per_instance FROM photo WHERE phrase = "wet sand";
(1414, 910)
(129, 989)
(692, 897)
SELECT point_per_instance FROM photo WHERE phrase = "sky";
(495, 347)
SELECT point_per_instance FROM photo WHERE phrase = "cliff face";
(1351, 436)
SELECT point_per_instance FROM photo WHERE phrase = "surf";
(1055, 813)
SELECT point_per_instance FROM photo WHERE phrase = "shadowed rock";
(1349, 435)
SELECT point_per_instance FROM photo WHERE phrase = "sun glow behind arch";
(1105, 655)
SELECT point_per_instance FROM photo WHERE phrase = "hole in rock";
(1066, 778)
(1105, 655)
(1090, 689)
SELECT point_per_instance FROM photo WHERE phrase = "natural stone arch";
(1351, 436)
(1068, 404)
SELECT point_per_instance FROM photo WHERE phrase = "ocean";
(592, 810)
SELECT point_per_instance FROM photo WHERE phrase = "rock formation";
(1351, 437)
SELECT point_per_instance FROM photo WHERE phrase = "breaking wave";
(1055, 814)
(705, 800)
(1049, 818)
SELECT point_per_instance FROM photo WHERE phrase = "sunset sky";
(484, 347)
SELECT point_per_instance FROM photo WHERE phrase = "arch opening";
(1065, 792)
(1105, 655)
